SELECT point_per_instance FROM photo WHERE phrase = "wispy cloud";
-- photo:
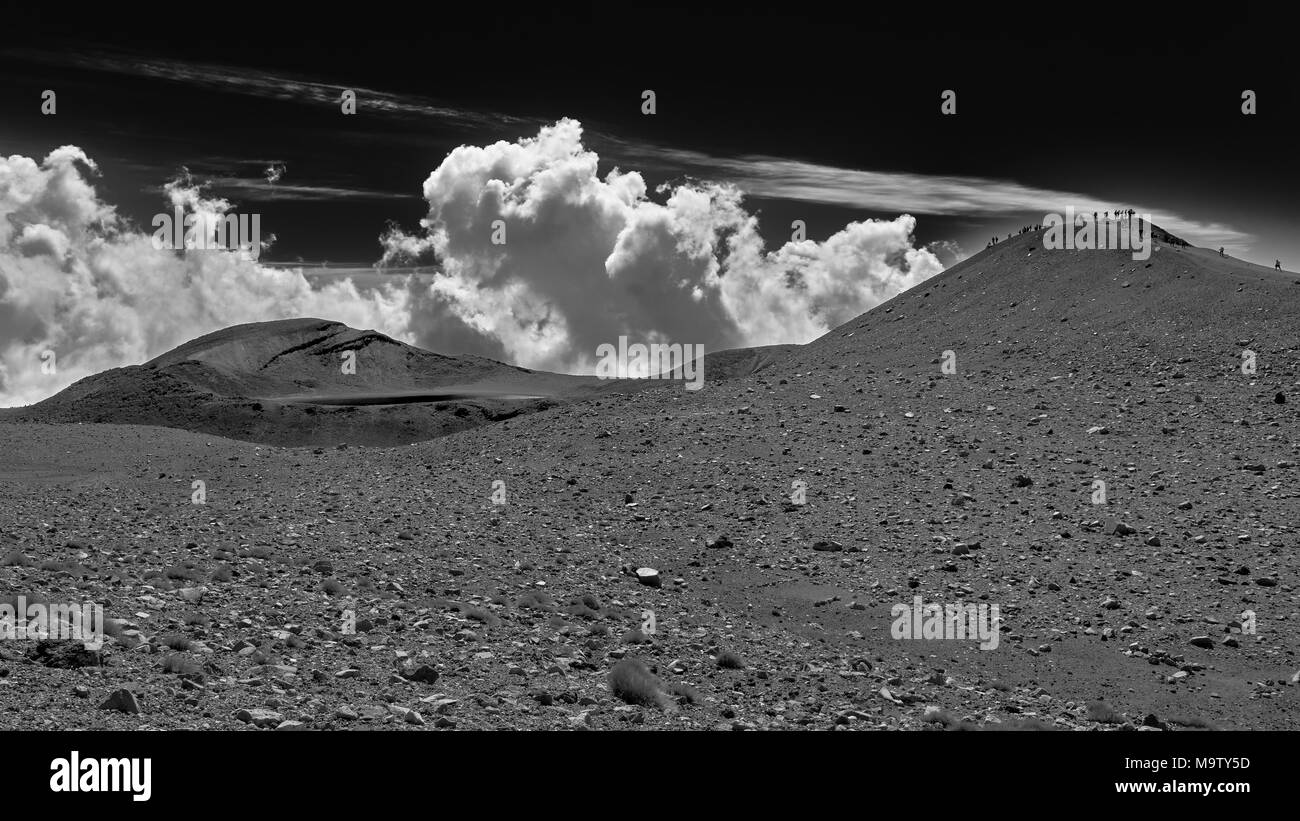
(259, 187)
(271, 86)
(902, 192)
(232, 176)
(883, 192)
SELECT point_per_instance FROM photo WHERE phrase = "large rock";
(122, 700)
(648, 576)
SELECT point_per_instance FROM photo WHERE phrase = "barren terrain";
(1071, 367)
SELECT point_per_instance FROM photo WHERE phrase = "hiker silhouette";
(1277, 263)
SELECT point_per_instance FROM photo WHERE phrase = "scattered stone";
(648, 576)
(424, 673)
(122, 700)
(64, 655)
(259, 717)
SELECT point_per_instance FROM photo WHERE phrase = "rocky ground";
(1072, 367)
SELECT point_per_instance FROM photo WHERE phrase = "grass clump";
(176, 641)
(16, 558)
(478, 614)
(183, 572)
(333, 587)
(179, 665)
(728, 660)
(535, 600)
(631, 681)
(1102, 712)
(685, 693)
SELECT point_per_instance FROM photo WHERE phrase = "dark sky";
(1126, 103)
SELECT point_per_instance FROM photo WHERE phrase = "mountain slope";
(1098, 466)
(978, 487)
(1070, 306)
(307, 381)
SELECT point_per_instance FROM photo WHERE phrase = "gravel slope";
(976, 486)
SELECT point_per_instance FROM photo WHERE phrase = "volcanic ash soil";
(360, 587)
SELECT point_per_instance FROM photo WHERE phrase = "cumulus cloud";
(543, 260)
(80, 282)
(539, 260)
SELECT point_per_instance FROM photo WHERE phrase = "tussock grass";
(16, 558)
(728, 660)
(582, 611)
(176, 641)
(478, 614)
(631, 681)
(183, 572)
(1102, 712)
(685, 693)
(71, 568)
(180, 665)
(1022, 725)
(535, 600)
(333, 587)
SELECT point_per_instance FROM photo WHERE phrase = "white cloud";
(75, 280)
(586, 259)
(898, 192)
(589, 258)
